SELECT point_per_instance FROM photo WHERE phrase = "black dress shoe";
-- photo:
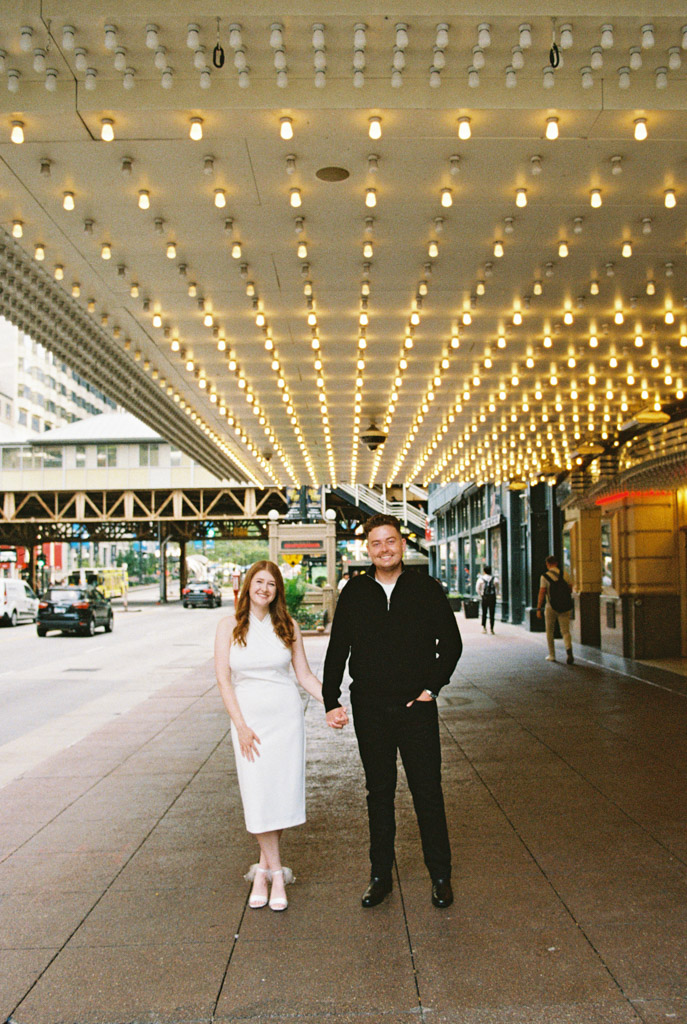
(442, 893)
(376, 891)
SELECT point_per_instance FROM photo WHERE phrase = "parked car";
(74, 610)
(205, 593)
(18, 603)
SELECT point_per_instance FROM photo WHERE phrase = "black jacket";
(396, 651)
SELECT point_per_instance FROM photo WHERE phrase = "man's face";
(385, 547)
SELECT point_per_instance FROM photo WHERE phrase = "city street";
(57, 689)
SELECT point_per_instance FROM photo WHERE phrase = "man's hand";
(337, 718)
(539, 614)
(423, 696)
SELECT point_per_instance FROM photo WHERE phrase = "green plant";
(294, 591)
(309, 619)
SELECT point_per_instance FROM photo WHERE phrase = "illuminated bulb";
(537, 288)
(619, 317)
(39, 252)
(17, 133)
(446, 197)
(195, 131)
(375, 128)
(236, 250)
(627, 249)
(133, 290)
(157, 320)
(220, 198)
(370, 197)
(641, 131)
(464, 129)
(547, 342)
(17, 229)
(669, 198)
(415, 318)
(563, 249)
(595, 198)
(517, 317)
(433, 249)
(59, 272)
(552, 127)
(467, 319)
(171, 250)
(295, 197)
(498, 248)
(68, 201)
(669, 316)
(107, 129)
(567, 317)
(192, 290)
(521, 197)
(480, 288)
(302, 250)
(260, 319)
(208, 320)
(594, 287)
(106, 251)
(650, 288)
(144, 199)
(593, 341)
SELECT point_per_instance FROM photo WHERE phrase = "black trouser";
(414, 731)
(488, 606)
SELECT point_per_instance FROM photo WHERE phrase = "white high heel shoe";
(256, 902)
(278, 902)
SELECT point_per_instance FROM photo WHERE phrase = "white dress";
(273, 785)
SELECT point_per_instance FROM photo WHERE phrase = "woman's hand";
(248, 741)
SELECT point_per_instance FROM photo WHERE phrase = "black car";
(74, 610)
(205, 594)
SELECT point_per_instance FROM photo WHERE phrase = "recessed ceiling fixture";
(332, 173)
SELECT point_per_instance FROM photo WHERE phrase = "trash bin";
(471, 608)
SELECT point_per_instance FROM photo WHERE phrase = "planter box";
(456, 603)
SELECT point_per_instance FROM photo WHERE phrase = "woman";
(253, 651)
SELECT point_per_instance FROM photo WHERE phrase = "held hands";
(248, 741)
(539, 613)
(337, 718)
(423, 696)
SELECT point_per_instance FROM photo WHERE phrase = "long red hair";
(281, 620)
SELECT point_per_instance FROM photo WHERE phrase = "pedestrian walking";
(555, 590)
(403, 641)
(487, 590)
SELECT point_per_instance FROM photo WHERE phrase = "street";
(57, 689)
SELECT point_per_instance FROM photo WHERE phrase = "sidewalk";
(122, 899)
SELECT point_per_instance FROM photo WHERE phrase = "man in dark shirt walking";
(404, 643)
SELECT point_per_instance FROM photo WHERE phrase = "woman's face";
(263, 589)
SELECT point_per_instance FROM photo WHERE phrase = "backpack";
(489, 587)
(560, 593)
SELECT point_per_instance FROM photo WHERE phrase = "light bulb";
(144, 199)
(594, 287)
(17, 229)
(236, 250)
(498, 248)
(595, 198)
(446, 197)
(106, 251)
(370, 197)
(552, 127)
(521, 197)
(627, 249)
(17, 133)
(295, 195)
(464, 128)
(375, 128)
(563, 249)
(195, 131)
(433, 249)
(39, 252)
(68, 201)
(157, 320)
(641, 131)
(220, 198)
(669, 198)
(171, 250)
(537, 287)
(650, 288)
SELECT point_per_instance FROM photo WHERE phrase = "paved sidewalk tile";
(122, 899)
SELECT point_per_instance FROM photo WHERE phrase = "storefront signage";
(302, 546)
(491, 521)
(7, 556)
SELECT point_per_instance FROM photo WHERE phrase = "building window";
(10, 458)
(149, 455)
(35, 423)
(80, 453)
(23, 418)
(107, 455)
(52, 458)
(174, 456)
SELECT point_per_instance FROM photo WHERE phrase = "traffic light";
(40, 560)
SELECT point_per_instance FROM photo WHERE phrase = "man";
(342, 582)
(555, 590)
(487, 589)
(404, 643)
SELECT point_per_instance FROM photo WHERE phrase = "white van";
(18, 603)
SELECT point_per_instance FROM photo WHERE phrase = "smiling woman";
(254, 650)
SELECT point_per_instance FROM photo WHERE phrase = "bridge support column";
(183, 568)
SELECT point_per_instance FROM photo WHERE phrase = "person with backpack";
(487, 589)
(555, 590)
